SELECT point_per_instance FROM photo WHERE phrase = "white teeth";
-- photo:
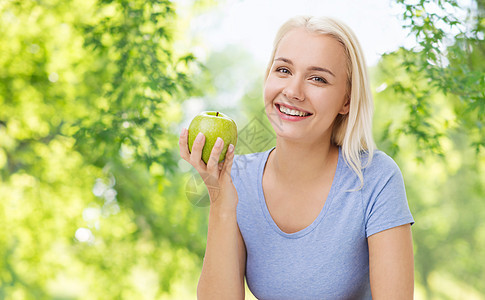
(292, 112)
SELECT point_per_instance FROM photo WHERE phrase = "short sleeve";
(387, 202)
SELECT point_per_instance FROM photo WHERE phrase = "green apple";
(213, 124)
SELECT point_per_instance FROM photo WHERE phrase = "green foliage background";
(89, 95)
(93, 196)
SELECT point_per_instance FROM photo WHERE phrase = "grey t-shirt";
(329, 259)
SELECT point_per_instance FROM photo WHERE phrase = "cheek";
(330, 103)
(269, 91)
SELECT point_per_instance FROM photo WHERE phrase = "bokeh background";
(95, 202)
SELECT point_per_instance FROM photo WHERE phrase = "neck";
(298, 163)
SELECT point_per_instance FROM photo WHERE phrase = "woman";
(323, 215)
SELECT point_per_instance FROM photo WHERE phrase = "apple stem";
(217, 114)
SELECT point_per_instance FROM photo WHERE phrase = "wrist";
(222, 213)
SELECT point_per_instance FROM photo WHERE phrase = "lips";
(292, 111)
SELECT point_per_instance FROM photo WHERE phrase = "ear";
(345, 108)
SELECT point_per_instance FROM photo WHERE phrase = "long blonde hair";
(352, 131)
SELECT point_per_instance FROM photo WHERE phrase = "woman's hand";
(216, 176)
(224, 266)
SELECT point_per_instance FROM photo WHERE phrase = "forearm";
(222, 276)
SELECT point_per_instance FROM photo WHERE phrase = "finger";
(196, 153)
(184, 147)
(227, 167)
(212, 163)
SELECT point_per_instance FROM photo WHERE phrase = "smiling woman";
(323, 215)
(345, 57)
(299, 79)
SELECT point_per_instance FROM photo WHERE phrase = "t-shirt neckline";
(318, 219)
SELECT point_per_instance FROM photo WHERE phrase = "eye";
(319, 79)
(283, 70)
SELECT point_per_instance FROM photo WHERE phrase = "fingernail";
(218, 142)
(230, 148)
(199, 137)
(184, 131)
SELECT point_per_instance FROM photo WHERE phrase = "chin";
(288, 134)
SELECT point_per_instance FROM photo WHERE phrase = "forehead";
(312, 49)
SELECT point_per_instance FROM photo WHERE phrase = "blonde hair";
(352, 131)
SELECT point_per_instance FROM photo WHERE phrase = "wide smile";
(291, 113)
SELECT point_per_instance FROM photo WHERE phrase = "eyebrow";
(313, 68)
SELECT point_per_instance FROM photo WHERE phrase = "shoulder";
(375, 169)
(381, 165)
(248, 158)
(382, 174)
(248, 163)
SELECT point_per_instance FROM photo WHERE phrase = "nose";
(294, 90)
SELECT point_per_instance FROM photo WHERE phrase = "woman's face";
(306, 86)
